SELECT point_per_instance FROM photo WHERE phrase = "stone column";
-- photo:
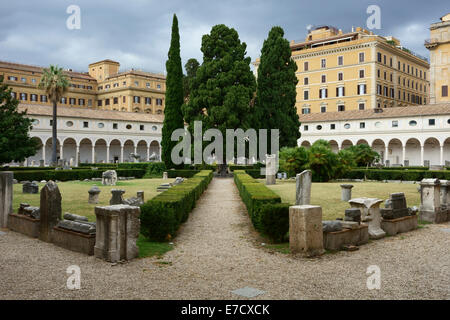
(93, 153)
(6, 197)
(50, 210)
(77, 156)
(403, 154)
(61, 151)
(117, 231)
(430, 200)
(107, 154)
(43, 153)
(148, 153)
(305, 230)
(117, 196)
(270, 169)
(442, 156)
(135, 153)
(121, 154)
(94, 193)
(346, 192)
(386, 154)
(165, 175)
(421, 154)
(303, 188)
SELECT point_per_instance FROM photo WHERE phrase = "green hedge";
(75, 174)
(233, 167)
(152, 169)
(398, 168)
(162, 216)
(404, 175)
(255, 173)
(182, 173)
(26, 168)
(268, 215)
(98, 165)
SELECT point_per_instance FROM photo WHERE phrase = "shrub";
(182, 173)
(403, 175)
(162, 215)
(264, 207)
(98, 165)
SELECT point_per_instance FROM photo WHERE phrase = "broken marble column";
(165, 175)
(117, 196)
(271, 169)
(305, 230)
(303, 188)
(430, 201)
(117, 231)
(77, 226)
(94, 193)
(346, 192)
(6, 197)
(50, 210)
(370, 214)
(74, 217)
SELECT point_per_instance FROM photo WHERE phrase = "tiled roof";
(410, 111)
(85, 113)
(25, 67)
(137, 73)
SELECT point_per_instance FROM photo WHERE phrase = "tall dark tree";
(173, 117)
(15, 142)
(191, 68)
(223, 88)
(276, 93)
(55, 84)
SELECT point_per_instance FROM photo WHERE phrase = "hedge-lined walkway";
(217, 252)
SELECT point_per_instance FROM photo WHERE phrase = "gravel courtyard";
(217, 252)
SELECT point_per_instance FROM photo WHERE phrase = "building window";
(347, 126)
(99, 103)
(115, 126)
(159, 102)
(23, 97)
(158, 86)
(305, 81)
(305, 128)
(362, 125)
(413, 123)
(51, 123)
(444, 91)
(384, 74)
(332, 126)
(305, 95)
(340, 91)
(340, 76)
(124, 99)
(141, 127)
(107, 102)
(394, 124)
(323, 93)
(319, 127)
(33, 97)
(324, 78)
(81, 102)
(431, 122)
(12, 78)
(361, 57)
(24, 80)
(148, 101)
(136, 99)
(379, 57)
(378, 73)
(341, 108)
(390, 62)
(323, 109)
(147, 84)
(361, 106)
(85, 124)
(392, 93)
(340, 60)
(362, 89)
(306, 110)
(306, 66)
(323, 63)
(136, 83)
(361, 74)
(129, 126)
(13, 95)
(101, 125)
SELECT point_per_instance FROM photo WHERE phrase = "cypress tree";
(276, 93)
(173, 117)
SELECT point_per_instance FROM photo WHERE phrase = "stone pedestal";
(50, 210)
(271, 169)
(30, 187)
(445, 197)
(74, 241)
(370, 214)
(305, 230)
(399, 225)
(94, 193)
(118, 229)
(337, 239)
(24, 224)
(6, 197)
(165, 175)
(430, 201)
(346, 192)
(140, 196)
(117, 196)
(303, 188)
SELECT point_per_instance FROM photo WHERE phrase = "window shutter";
(326, 93)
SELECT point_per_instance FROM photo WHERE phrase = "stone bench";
(74, 241)
(399, 225)
(337, 239)
(24, 224)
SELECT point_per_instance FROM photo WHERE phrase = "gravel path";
(217, 251)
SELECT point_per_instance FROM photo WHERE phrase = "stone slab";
(399, 225)
(73, 241)
(355, 237)
(305, 230)
(24, 225)
(248, 292)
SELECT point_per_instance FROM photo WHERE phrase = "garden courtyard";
(217, 251)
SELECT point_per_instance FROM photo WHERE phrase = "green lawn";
(75, 200)
(328, 195)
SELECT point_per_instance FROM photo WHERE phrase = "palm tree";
(55, 84)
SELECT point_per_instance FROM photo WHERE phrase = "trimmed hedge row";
(182, 173)
(98, 165)
(75, 174)
(233, 167)
(404, 175)
(268, 215)
(162, 216)
(398, 168)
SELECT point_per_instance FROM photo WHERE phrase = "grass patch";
(328, 194)
(279, 247)
(150, 248)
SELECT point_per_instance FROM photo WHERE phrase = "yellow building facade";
(439, 46)
(357, 70)
(104, 87)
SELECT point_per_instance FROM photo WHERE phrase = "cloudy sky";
(136, 33)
